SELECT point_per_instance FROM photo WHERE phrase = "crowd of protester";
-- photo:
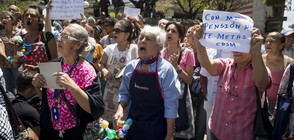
(116, 68)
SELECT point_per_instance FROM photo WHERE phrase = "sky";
(289, 14)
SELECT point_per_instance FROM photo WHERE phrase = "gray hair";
(162, 20)
(81, 34)
(158, 33)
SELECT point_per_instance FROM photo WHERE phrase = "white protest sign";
(47, 69)
(132, 12)
(66, 9)
(226, 31)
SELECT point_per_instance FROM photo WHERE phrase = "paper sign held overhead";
(132, 12)
(66, 9)
(226, 31)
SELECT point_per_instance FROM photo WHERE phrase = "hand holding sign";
(227, 31)
(256, 41)
(132, 12)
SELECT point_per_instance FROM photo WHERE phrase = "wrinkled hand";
(198, 32)
(117, 118)
(38, 81)
(63, 80)
(83, 20)
(256, 41)
(106, 74)
(31, 67)
(7, 41)
(49, 5)
(173, 59)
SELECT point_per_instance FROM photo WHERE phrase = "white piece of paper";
(66, 9)
(226, 31)
(132, 12)
(47, 69)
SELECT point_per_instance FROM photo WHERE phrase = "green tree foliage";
(192, 7)
(21, 4)
(162, 6)
(227, 5)
(274, 2)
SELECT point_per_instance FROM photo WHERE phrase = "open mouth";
(268, 48)
(29, 23)
(59, 45)
(169, 38)
(142, 49)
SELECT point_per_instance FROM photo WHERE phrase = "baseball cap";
(91, 18)
(287, 31)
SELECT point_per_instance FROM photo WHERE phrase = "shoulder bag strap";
(15, 122)
(290, 83)
(71, 108)
(179, 60)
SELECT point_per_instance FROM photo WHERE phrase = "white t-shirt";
(118, 59)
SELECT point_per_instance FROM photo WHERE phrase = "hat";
(287, 31)
(91, 18)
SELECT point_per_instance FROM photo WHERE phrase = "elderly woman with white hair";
(151, 90)
(65, 113)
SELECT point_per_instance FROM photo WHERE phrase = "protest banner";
(66, 9)
(226, 31)
(132, 12)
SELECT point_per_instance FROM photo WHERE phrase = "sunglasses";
(117, 30)
(67, 37)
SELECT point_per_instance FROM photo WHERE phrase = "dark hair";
(128, 27)
(180, 28)
(110, 21)
(37, 8)
(279, 35)
(10, 14)
(39, 14)
(24, 80)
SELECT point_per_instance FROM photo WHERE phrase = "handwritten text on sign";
(67, 9)
(226, 31)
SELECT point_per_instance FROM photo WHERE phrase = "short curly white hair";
(158, 33)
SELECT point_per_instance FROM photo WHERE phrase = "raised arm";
(260, 72)
(48, 25)
(209, 65)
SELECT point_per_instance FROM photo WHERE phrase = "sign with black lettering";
(227, 31)
(67, 9)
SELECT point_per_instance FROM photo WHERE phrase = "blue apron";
(147, 107)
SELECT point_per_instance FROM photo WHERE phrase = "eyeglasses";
(13, 10)
(117, 30)
(31, 15)
(67, 37)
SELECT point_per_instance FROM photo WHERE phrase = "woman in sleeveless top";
(114, 59)
(276, 62)
(10, 46)
(183, 61)
(41, 47)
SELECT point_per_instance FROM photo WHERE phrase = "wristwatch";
(180, 70)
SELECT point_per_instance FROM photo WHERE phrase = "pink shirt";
(272, 92)
(235, 104)
(83, 75)
(188, 58)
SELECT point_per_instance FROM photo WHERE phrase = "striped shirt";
(235, 104)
